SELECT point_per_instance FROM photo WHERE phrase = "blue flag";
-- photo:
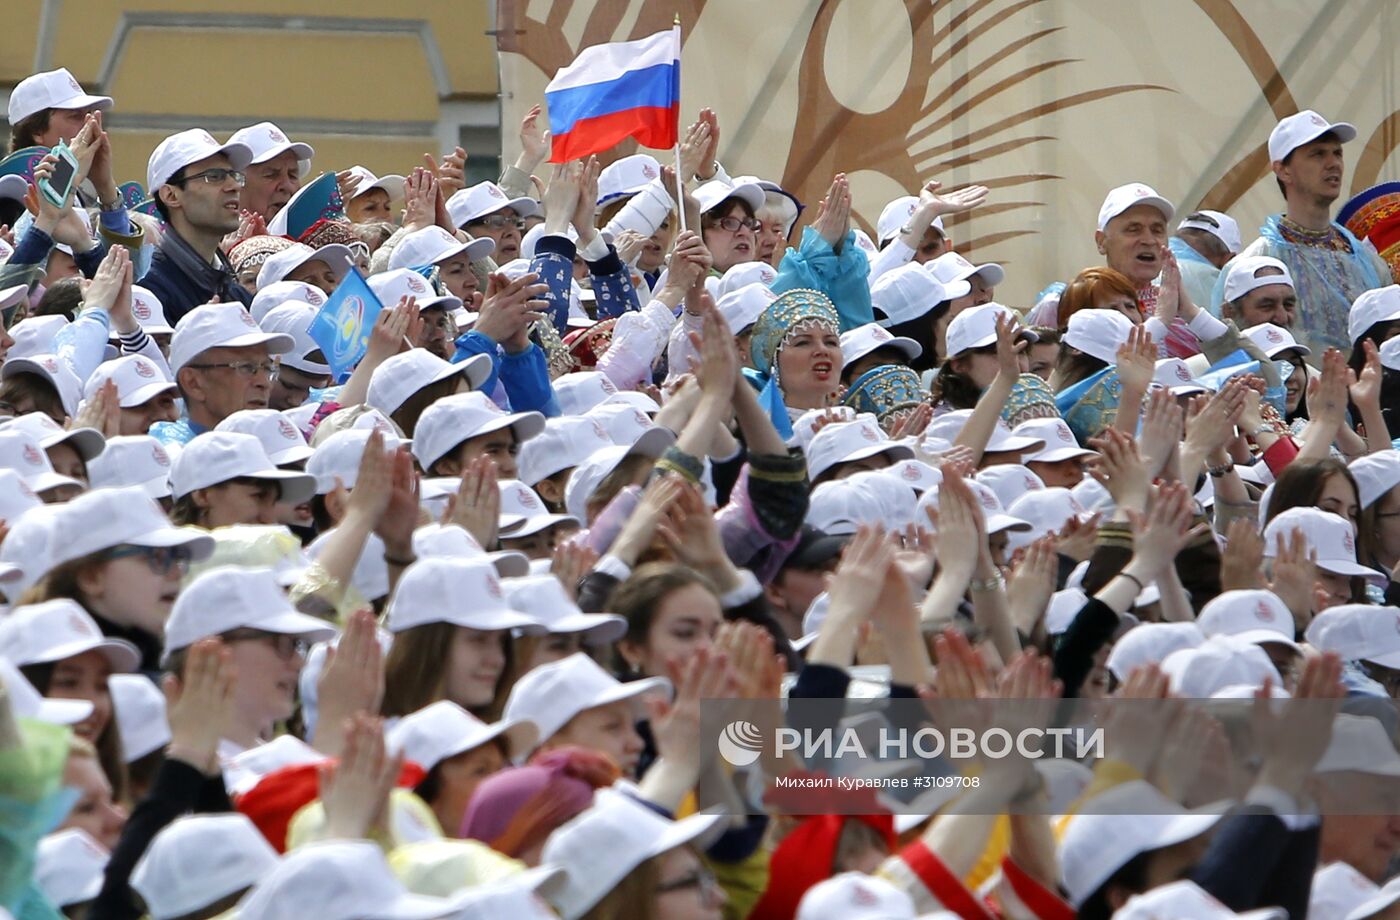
(343, 326)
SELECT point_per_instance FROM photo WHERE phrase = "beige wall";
(372, 83)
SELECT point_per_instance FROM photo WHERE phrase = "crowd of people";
(431, 635)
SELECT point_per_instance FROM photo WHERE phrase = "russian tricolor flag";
(615, 91)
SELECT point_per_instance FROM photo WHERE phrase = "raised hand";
(1032, 582)
(355, 790)
(1295, 575)
(955, 202)
(1137, 360)
(451, 174)
(572, 560)
(199, 705)
(629, 245)
(834, 220)
(1242, 560)
(103, 412)
(1120, 469)
(960, 525)
(694, 148)
(636, 535)
(106, 285)
(476, 507)
(561, 197)
(351, 681)
(690, 262)
(1163, 424)
(1165, 530)
(1293, 741)
(586, 208)
(400, 516)
(1366, 391)
(1008, 348)
(420, 189)
(509, 307)
(692, 533)
(534, 141)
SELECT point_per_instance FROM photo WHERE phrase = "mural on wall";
(1047, 102)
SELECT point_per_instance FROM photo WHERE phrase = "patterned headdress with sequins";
(792, 312)
(1031, 397)
(1374, 215)
(889, 391)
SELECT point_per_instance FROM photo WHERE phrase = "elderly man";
(195, 181)
(1204, 241)
(1329, 266)
(222, 363)
(1258, 289)
(274, 174)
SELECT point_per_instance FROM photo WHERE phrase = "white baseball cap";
(739, 276)
(1358, 632)
(1174, 375)
(1375, 475)
(485, 198)
(1187, 899)
(295, 318)
(839, 507)
(627, 176)
(600, 846)
(338, 458)
(1303, 128)
(52, 369)
(1098, 333)
(1047, 510)
(909, 291)
(896, 214)
(180, 150)
(1009, 481)
(432, 245)
(279, 292)
(1225, 228)
(631, 426)
(995, 515)
(137, 377)
(950, 424)
(1064, 606)
(915, 474)
(25, 555)
(281, 440)
(589, 474)
(451, 541)
(28, 704)
(16, 497)
(976, 327)
(1275, 340)
(1338, 889)
(858, 342)
(952, 267)
(452, 420)
(464, 592)
(406, 373)
(1359, 744)
(218, 456)
(1330, 535)
(59, 629)
(742, 307)
(266, 140)
(1373, 906)
(147, 309)
(855, 896)
(1151, 643)
(1378, 305)
(197, 860)
(220, 325)
(337, 880)
(714, 193)
(563, 444)
(444, 729)
(1060, 442)
(139, 707)
(544, 600)
(132, 460)
(847, 442)
(52, 89)
(87, 442)
(1390, 354)
(582, 390)
(1220, 661)
(392, 286)
(520, 501)
(35, 335)
(69, 867)
(1243, 275)
(285, 261)
(20, 451)
(1116, 826)
(365, 181)
(232, 597)
(554, 693)
(1248, 615)
(1124, 197)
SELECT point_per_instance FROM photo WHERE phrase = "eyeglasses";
(283, 646)
(735, 224)
(498, 222)
(216, 176)
(266, 369)
(702, 878)
(161, 559)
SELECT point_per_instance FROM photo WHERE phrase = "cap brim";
(535, 523)
(88, 442)
(122, 655)
(510, 564)
(1266, 637)
(292, 623)
(200, 543)
(1008, 443)
(1347, 567)
(521, 735)
(599, 628)
(1058, 454)
(63, 712)
(277, 342)
(413, 907)
(492, 618)
(653, 443)
(632, 692)
(294, 454)
(302, 151)
(699, 829)
(640, 401)
(479, 248)
(392, 184)
(144, 394)
(477, 370)
(996, 523)
(46, 481)
(295, 488)
(156, 488)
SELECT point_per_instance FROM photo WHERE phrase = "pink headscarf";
(556, 786)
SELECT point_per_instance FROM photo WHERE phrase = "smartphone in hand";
(58, 187)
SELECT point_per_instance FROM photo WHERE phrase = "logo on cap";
(607, 386)
(1140, 191)
(1273, 335)
(640, 418)
(416, 285)
(1264, 612)
(527, 500)
(78, 625)
(143, 369)
(868, 433)
(495, 192)
(911, 473)
(600, 431)
(989, 501)
(315, 297)
(1318, 119)
(74, 85)
(649, 171)
(276, 135)
(1348, 542)
(864, 897)
(1182, 373)
(140, 309)
(247, 318)
(493, 586)
(881, 334)
(285, 427)
(50, 365)
(1063, 431)
(25, 490)
(159, 455)
(207, 137)
(32, 456)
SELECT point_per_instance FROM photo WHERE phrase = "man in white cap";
(1258, 289)
(275, 173)
(911, 228)
(196, 182)
(49, 107)
(1204, 241)
(222, 363)
(1330, 267)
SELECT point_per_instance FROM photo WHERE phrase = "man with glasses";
(485, 211)
(222, 363)
(196, 183)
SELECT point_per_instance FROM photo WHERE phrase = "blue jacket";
(182, 280)
(845, 278)
(518, 382)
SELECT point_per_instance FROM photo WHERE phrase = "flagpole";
(680, 180)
